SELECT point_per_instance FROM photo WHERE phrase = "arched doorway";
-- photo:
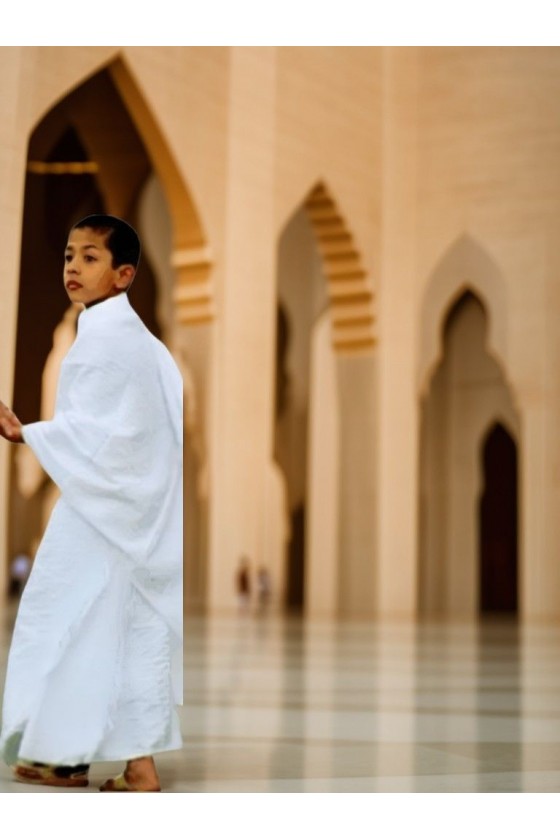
(324, 426)
(466, 393)
(498, 524)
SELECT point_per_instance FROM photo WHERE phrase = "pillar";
(244, 386)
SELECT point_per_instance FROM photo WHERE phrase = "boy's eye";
(89, 258)
(67, 257)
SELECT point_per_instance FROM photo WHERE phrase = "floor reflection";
(275, 703)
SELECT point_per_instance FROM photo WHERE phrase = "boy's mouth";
(73, 284)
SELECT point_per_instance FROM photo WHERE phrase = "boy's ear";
(126, 276)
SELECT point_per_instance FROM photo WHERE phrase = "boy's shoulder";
(128, 343)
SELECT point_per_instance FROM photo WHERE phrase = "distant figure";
(263, 587)
(19, 572)
(243, 583)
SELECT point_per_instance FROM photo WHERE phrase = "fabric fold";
(114, 449)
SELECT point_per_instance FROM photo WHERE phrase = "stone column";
(242, 404)
(357, 489)
(398, 401)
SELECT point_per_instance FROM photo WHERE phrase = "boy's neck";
(101, 299)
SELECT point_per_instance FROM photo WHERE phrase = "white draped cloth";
(95, 666)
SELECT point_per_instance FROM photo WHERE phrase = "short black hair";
(122, 240)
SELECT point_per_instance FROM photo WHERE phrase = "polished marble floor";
(278, 704)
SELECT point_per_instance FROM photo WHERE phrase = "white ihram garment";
(95, 666)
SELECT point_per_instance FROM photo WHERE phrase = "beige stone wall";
(329, 127)
(471, 196)
(443, 164)
(488, 139)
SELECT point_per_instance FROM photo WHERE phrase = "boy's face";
(88, 272)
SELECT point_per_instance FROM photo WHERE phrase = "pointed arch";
(348, 285)
(501, 420)
(465, 267)
(191, 256)
(498, 420)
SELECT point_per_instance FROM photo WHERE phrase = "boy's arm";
(10, 426)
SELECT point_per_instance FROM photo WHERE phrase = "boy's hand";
(10, 427)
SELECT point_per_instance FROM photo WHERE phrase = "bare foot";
(140, 776)
(141, 773)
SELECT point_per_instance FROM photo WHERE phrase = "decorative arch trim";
(348, 285)
(349, 288)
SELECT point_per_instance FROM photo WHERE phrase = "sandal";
(38, 773)
(120, 785)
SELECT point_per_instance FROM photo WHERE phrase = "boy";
(95, 664)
